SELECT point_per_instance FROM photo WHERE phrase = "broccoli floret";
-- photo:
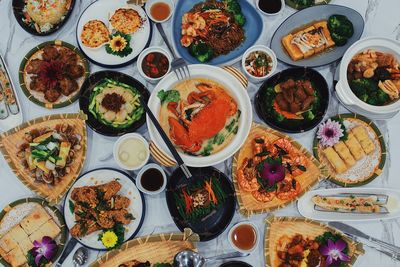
(233, 6)
(340, 28)
(381, 98)
(368, 91)
(201, 51)
(304, 3)
(338, 39)
(240, 19)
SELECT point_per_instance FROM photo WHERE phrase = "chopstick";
(166, 139)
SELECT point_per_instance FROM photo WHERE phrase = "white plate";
(306, 206)
(102, 10)
(129, 189)
(235, 89)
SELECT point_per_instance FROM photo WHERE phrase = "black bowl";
(292, 126)
(18, 6)
(235, 264)
(212, 226)
(84, 99)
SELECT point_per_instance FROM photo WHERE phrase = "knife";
(389, 249)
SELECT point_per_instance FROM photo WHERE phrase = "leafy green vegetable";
(304, 3)
(71, 206)
(168, 96)
(201, 51)
(340, 28)
(127, 49)
(233, 7)
(240, 19)
(338, 39)
(368, 91)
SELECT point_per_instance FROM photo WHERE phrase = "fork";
(178, 65)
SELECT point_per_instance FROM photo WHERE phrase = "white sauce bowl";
(117, 146)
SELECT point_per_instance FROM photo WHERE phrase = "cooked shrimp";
(284, 144)
(186, 40)
(247, 176)
(289, 188)
(299, 160)
(263, 196)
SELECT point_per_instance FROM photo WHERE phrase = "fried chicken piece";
(118, 202)
(84, 228)
(135, 263)
(74, 71)
(68, 86)
(106, 220)
(122, 216)
(86, 194)
(52, 95)
(34, 66)
(37, 85)
(83, 213)
(110, 189)
(50, 52)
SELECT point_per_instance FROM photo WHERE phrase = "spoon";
(80, 256)
(188, 258)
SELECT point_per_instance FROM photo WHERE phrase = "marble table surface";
(381, 19)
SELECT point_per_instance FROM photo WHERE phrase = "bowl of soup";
(154, 63)
(159, 10)
(131, 151)
(243, 237)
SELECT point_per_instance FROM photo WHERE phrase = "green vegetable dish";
(340, 28)
(115, 104)
(213, 28)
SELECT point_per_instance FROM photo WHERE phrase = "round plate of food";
(110, 99)
(319, 41)
(216, 32)
(40, 17)
(104, 208)
(28, 225)
(52, 73)
(353, 149)
(294, 100)
(301, 4)
(113, 33)
(205, 203)
(211, 97)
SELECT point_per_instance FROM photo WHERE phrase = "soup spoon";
(189, 258)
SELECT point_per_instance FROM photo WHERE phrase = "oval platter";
(313, 14)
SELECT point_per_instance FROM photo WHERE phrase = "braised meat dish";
(295, 95)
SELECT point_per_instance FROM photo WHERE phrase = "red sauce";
(244, 237)
(155, 65)
(160, 11)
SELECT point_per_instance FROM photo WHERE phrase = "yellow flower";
(109, 239)
(118, 43)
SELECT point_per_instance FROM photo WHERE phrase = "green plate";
(294, 4)
(22, 74)
(378, 168)
(42, 202)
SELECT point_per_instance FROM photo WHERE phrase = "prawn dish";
(272, 170)
(53, 74)
(213, 28)
(191, 105)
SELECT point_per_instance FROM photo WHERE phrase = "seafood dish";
(53, 74)
(28, 226)
(94, 34)
(126, 20)
(189, 106)
(317, 37)
(298, 242)
(351, 147)
(212, 28)
(374, 77)
(8, 102)
(47, 153)
(100, 207)
(271, 170)
(115, 104)
(198, 200)
(45, 16)
(258, 64)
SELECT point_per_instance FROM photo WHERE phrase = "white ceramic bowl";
(150, 3)
(234, 227)
(283, 4)
(144, 54)
(117, 145)
(266, 50)
(139, 180)
(235, 89)
(343, 90)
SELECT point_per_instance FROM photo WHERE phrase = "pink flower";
(273, 173)
(329, 133)
(47, 248)
(334, 252)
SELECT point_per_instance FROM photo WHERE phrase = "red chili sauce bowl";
(155, 65)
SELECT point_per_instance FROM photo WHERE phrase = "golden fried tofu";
(293, 51)
(35, 219)
(50, 228)
(7, 243)
(15, 257)
(18, 234)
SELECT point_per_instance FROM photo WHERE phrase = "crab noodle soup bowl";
(343, 90)
(231, 87)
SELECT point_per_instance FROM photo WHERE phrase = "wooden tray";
(278, 226)
(153, 248)
(247, 204)
(8, 146)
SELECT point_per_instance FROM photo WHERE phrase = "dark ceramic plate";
(312, 14)
(18, 6)
(264, 110)
(213, 225)
(235, 264)
(86, 91)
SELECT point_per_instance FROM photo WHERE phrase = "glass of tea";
(243, 236)
(159, 10)
(151, 179)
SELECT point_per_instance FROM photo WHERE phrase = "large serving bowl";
(232, 86)
(343, 90)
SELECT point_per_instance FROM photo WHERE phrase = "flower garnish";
(334, 252)
(273, 171)
(329, 132)
(109, 239)
(45, 249)
(119, 44)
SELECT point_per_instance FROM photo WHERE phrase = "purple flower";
(329, 133)
(334, 252)
(47, 248)
(273, 172)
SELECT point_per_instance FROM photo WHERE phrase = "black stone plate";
(293, 126)
(18, 6)
(213, 225)
(235, 264)
(86, 90)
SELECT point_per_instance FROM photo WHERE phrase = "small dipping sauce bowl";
(243, 236)
(131, 151)
(270, 7)
(151, 179)
(159, 10)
